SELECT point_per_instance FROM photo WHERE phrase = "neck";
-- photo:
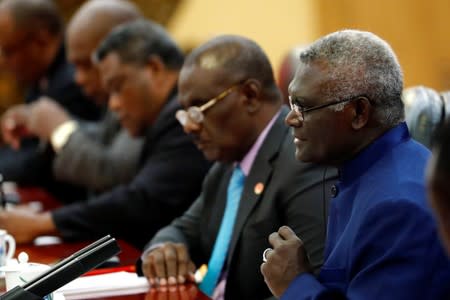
(50, 52)
(168, 84)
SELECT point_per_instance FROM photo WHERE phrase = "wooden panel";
(416, 29)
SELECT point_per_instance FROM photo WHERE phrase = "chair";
(446, 100)
(424, 111)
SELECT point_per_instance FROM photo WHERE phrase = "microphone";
(66, 270)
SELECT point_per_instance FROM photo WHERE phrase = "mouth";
(201, 144)
(298, 138)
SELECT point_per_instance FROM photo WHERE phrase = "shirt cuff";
(61, 134)
(150, 249)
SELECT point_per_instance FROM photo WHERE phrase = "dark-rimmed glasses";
(300, 109)
(196, 113)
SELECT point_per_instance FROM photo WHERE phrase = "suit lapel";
(260, 173)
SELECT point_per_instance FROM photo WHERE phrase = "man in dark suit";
(32, 48)
(234, 110)
(139, 64)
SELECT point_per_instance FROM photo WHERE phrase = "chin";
(211, 155)
(300, 155)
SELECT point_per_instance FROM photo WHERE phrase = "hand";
(14, 125)
(286, 261)
(168, 264)
(45, 116)
(25, 225)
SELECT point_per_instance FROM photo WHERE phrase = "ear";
(252, 90)
(361, 112)
(155, 66)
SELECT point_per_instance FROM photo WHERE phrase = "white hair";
(360, 63)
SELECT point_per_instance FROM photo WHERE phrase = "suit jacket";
(293, 195)
(170, 177)
(94, 156)
(32, 163)
(382, 240)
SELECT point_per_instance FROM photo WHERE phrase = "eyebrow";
(299, 98)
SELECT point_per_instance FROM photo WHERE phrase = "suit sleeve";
(390, 249)
(84, 160)
(304, 208)
(186, 228)
(162, 190)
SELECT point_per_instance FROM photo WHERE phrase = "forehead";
(197, 82)
(111, 66)
(80, 47)
(308, 79)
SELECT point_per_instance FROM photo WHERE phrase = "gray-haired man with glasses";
(382, 241)
(235, 113)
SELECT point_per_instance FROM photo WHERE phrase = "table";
(52, 253)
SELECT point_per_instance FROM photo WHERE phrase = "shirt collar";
(247, 163)
(367, 157)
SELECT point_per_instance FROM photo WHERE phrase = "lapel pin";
(259, 188)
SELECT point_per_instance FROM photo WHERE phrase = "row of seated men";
(33, 49)
(333, 187)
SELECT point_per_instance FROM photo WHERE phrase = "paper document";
(105, 285)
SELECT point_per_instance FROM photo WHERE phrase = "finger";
(171, 259)
(287, 233)
(183, 262)
(159, 264)
(146, 267)
(263, 269)
(275, 240)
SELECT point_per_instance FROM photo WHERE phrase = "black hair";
(136, 41)
(36, 14)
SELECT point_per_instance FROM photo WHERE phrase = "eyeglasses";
(300, 110)
(196, 113)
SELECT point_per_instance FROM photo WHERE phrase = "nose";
(114, 102)
(81, 77)
(293, 119)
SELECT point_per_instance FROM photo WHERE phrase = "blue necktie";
(219, 254)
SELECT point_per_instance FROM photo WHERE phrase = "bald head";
(238, 57)
(88, 27)
(95, 19)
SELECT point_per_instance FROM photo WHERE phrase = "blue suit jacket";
(382, 241)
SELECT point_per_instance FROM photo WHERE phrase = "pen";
(131, 269)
